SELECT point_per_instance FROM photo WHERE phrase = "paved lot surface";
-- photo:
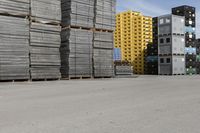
(146, 104)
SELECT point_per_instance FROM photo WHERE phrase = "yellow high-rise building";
(133, 33)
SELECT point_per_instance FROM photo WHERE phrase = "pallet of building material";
(105, 11)
(14, 48)
(45, 72)
(46, 11)
(45, 56)
(44, 51)
(103, 63)
(78, 13)
(103, 40)
(123, 70)
(43, 35)
(14, 7)
(76, 53)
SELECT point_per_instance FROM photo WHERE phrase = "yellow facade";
(133, 33)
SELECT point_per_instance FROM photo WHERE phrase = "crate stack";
(152, 59)
(104, 24)
(77, 38)
(45, 19)
(133, 33)
(198, 56)
(190, 36)
(171, 45)
(151, 66)
(14, 40)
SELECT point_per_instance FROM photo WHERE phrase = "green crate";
(198, 58)
(191, 71)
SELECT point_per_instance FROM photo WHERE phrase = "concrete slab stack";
(105, 11)
(76, 53)
(103, 54)
(87, 38)
(103, 46)
(46, 11)
(77, 38)
(14, 40)
(45, 39)
(78, 13)
(16, 8)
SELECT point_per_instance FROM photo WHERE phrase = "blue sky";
(157, 7)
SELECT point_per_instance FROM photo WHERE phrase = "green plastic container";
(191, 71)
(198, 58)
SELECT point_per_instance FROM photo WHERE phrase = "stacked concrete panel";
(171, 45)
(103, 38)
(45, 39)
(77, 38)
(14, 40)
(103, 54)
(78, 13)
(46, 11)
(86, 51)
(76, 53)
(105, 14)
(44, 51)
(14, 7)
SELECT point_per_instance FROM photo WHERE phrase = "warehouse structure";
(133, 33)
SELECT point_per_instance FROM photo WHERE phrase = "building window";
(168, 60)
(168, 40)
(161, 60)
(168, 20)
(161, 40)
(161, 21)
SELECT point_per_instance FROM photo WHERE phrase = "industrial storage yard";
(94, 66)
(134, 105)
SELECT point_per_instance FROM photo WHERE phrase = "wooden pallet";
(48, 22)
(14, 15)
(76, 27)
(171, 74)
(103, 30)
(15, 81)
(48, 79)
(77, 77)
